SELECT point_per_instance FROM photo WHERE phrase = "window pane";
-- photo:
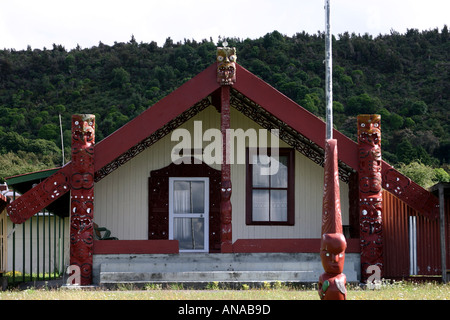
(278, 205)
(198, 196)
(181, 197)
(259, 180)
(188, 197)
(280, 179)
(260, 204)
(189, 232)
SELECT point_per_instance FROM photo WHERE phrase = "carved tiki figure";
(82, 195)
(332, 283)
(226, 65)
(370, 192)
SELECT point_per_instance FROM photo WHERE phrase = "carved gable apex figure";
(226, 65)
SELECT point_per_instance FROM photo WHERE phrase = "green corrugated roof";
(29, 177)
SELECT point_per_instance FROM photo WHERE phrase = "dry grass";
(391, 291)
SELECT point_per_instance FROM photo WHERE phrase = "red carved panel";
(353, 196)
(40, 196)
(158, 225)
(82, 195)
(214, 211)
(370, 193)
(158, 218)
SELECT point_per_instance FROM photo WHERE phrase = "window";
(270, 197)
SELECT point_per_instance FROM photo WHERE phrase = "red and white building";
(160, 210)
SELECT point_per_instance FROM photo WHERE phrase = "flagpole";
(332, 283)
(328, 73)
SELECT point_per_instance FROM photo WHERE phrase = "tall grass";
(386, 291)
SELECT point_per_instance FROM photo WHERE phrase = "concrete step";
(204, 268)
(206, 277)
(208, 262)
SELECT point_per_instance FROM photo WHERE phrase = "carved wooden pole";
(332, 283)
(82, 195)
(370, 195)
(226, 76)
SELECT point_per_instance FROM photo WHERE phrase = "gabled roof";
(154, 118)
(302, 128)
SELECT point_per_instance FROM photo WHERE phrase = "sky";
(42, 23)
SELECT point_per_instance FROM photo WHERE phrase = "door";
(189, 212)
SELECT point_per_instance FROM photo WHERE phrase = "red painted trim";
(156, 117)
(293, 115)
(287, 245)
(135, 246)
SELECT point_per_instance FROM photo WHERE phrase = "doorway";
(189, 213)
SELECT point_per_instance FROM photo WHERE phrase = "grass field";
(392, 291)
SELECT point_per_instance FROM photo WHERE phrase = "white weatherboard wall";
(121, 198)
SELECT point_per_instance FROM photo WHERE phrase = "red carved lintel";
(82, 195)
(225, 202)
(332, 283)
(370, 194)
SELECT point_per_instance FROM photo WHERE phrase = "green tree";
(362, 104)
(49, 131)
(120, 78)
(441, 175)
(311, 102)
(395, 121)
(420, 173)
(338, 107)
(406, 152)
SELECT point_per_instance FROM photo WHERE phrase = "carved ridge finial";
(226, 64)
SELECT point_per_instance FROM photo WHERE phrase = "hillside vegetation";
(403, 77)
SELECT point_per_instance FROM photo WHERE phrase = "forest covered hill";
(403, 77)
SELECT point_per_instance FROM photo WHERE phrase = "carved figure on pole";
(332, 283)
(370, 193)
(226, 76)
(82, 195)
